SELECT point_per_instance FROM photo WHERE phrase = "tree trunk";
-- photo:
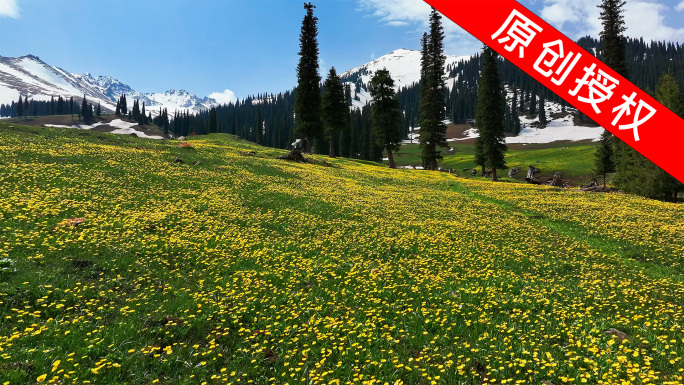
(332, 146)
(494, 178)
(309, 142)
(390, 157)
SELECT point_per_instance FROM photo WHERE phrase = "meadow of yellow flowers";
(119, 265)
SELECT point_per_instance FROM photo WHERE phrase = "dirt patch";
(457, 131)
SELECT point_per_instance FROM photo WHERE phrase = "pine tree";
(135, 112)
(386, 113)
(347, 134)
(71, 109)
(84, 109)
(515, 118)
(542, 112)
(603, 162)
(335, 109)
(613, 53)
(98, 112)
(117, 112)
(26, 106)
(490, 145)
(213, 125)
(612, 36)
(533, 105)
(259, 128)
(432, 91)
(124, 107)
(307, 106)
(143, 114)
(20, 107)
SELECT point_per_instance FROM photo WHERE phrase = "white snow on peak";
(403, 65)
(30, 76)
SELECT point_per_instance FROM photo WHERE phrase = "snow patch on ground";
(122, 128)
(126, 128)
(556, 130)
(470, 133)
(78, 126)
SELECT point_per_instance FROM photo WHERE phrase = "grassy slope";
(249, 268)
(574, 160)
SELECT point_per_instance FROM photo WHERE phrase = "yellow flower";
(41, 378)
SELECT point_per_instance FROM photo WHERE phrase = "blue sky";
(250, 46)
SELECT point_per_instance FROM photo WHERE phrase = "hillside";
(403, 65)
(121, 265)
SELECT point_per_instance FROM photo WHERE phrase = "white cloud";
(9, 8)
(680, 7)
(414, 12)
(647, 20)
(224, 97)
(581, 17)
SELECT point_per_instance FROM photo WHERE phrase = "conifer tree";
(335, 109)
(135, 112)
(71, 108)
(98, 112)
(613, 53)
(143, 114)
(20, 107)
(612, 36)
(84, 109)
(489, 119)
(603, 162)
(386, 114)
(533, 104)
(432, 91)
(542, 112)
(117, 112)
(637, 174)
(213, 125)
(307, 106)
(259, 128)
(346, 134)
(124, 107)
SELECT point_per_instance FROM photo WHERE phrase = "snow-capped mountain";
(28, 75)
(403, 65)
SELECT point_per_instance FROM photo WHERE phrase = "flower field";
(125, 261)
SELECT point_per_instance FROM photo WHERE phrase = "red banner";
(575, 75)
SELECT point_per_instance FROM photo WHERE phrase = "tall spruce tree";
(335, 109)
(386, 114)
(307, 106)
(489, 118)
(603, 157)
(20, 107)
(213, 124)
(432, 93)
(613, 53)
(542, 112)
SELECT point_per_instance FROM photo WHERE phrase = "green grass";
(574, 160)
(248, 269)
